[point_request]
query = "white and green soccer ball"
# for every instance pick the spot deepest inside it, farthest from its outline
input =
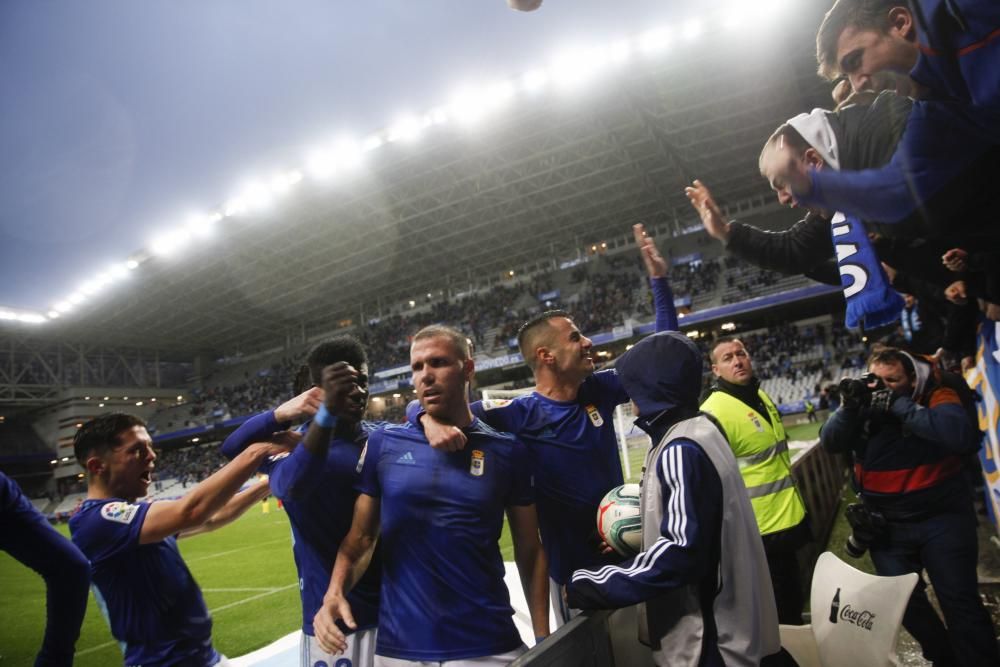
(618, 520)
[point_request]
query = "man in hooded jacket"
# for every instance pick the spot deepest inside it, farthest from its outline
(702, 575)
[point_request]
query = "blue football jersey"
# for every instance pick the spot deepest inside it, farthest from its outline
(319, 500)
(443, 592)
(152, 603)
(574, 454)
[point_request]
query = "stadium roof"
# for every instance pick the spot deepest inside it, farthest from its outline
(538, 180)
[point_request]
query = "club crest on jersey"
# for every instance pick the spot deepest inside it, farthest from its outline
(119, 512)
(477, 466)
(756, 422)
(595, 417)
(494, 403)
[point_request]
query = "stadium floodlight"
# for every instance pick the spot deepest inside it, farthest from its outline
(692, 30)
(534, 80)
(256, 195)
(320, 164)
(62, 307)
(281, 183)
(64, 459)
(371, 142)
(407, 128)
(438, 115)
(7, 315)
(118, 271)
(236, 206)
(31, 318)
(468, 106)
(170, 242)
(499, 94)
(53, 461)
(200, 226)
(53, 314)
(76, 298)
(620, 52)
(575, 66)
(131, 265)
(90, 288)
(654, 41)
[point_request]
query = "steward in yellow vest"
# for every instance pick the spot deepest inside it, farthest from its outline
(757, 437)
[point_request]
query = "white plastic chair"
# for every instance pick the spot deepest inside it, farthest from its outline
(855, 617)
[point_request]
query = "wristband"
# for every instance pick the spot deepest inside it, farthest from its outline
(324, 418)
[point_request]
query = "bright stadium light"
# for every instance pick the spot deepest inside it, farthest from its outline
(62, 307)
(499, 94)
(76, 298)
(372, 142)
(692, 30)
(654, 41)
(534, 80)
(235, 206)
(321, 164)
(90, 288)
(620, 52)
(256, 196)
(575, 66)
(131, 265)
(118, 271)
(407, 128)
(438, 115)
(467, 106)
(31, 318)
(170, 242)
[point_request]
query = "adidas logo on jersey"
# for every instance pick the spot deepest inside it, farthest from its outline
(407, 459)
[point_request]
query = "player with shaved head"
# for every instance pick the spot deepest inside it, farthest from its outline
(567, 423)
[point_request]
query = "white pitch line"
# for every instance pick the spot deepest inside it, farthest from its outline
(238, 590)
(270, 591)
(238, 549)
(252, 598)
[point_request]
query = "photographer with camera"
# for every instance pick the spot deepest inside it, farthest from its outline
(908, 433)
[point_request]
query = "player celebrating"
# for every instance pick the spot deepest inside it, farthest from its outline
(152, 602)
(316, 484)
(567, 422)
(438, 516)
(27, 536)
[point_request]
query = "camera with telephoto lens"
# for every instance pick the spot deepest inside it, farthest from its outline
(857, 392)
(866, 527)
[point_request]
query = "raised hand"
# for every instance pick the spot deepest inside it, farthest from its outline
(711, 216)
(345, 390)
(300, 408)
(656, 265)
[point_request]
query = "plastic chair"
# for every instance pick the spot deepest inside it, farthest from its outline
(855, 617)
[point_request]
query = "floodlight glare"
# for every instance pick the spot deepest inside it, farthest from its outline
(499, 94)
(31, 318)
(619, 52)
(654, 41)
(118, 271)
(76, 298)
(348, 153)
(53, 314)
(235, 207)
(438, 115)
(131, 265)
(406, 129)
(534, 80)
(467, 106)
(692, 30)
(62, 307)
(372, 142)
(573, 67)
(321, 164)
(256, 195)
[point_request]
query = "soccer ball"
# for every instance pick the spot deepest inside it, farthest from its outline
(618, 520)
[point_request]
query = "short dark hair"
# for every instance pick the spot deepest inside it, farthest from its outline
(792, 138)
(862, 14)
(461, 342)
(893, 355)
(100, 434)
(722, 340)
(340, 348)
(528, 333)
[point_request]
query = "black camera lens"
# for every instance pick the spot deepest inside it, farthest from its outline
(854, 548)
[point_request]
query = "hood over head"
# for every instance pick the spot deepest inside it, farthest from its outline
(662, 372)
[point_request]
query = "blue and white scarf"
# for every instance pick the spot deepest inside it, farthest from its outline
(871, 301)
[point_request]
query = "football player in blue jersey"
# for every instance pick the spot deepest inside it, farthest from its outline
(27, 536)
(438, 516)
(567, 423)
(152, 603)
(316, 484)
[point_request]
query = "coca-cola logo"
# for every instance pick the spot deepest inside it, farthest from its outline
(859, 617)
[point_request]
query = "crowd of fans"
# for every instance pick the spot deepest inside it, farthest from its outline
(187, 465)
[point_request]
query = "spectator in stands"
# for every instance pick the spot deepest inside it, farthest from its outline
(757, 438)
(438, 516)
(950, 50)
(908, 433)
(568, 424)
(27, 536)
(701, 575)
(153, 604)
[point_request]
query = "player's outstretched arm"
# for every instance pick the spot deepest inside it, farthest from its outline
(353, 557)
(657, 268)
(232, 510)
(267, 424)
(169, 517)
(440, 436)
(532, 566)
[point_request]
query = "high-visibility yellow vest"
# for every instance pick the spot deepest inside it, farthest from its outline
(762, 454)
